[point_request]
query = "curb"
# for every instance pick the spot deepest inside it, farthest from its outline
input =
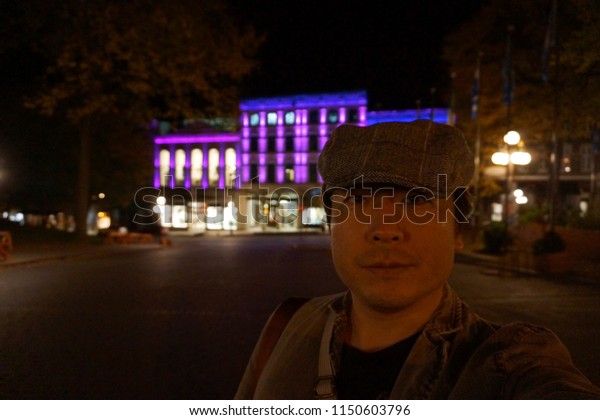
(91, 253)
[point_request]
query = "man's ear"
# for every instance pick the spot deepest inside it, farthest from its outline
(458, 242)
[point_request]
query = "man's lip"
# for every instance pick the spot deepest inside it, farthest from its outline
(387, 265)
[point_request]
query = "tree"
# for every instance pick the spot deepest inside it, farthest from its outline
(566, 103)
(132, 62)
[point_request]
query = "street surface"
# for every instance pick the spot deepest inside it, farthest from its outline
(180, 322)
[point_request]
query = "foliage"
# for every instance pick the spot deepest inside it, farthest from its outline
(128, 63)
(574, 86)
(535, 214)
(591, 221)
(141, 58)
(551, 242)
(496, 238)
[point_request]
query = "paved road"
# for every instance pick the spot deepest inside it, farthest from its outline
(180, 322)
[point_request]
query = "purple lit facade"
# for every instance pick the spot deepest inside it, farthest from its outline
(278, 141)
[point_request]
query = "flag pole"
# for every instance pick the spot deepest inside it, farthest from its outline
(552, 45)
(507, 72)
(475, 106)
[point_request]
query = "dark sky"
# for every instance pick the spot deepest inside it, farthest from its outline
(392, 49)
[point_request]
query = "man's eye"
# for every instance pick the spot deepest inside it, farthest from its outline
(418, 198)
(356, 199)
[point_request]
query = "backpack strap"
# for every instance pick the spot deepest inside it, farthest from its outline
(273, 330)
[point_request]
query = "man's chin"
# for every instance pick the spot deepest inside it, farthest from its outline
(391, 300)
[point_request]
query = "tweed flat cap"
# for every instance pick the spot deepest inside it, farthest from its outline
(411, 155)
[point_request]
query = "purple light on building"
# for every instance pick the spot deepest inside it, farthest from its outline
(354, 98)
(440, 115)
(362, 115)
(262, 173)
(198, 138)
(342, 115)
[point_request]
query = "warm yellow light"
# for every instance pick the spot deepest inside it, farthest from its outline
(500, 158)
(521, 200)
(518, 193)
(520, 158)
(512, 138)
(161, 201)
(103, 220)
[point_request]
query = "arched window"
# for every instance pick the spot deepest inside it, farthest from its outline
(230, 166)
(213, 167)
(165, 162)
(196, 161)
(179, 166)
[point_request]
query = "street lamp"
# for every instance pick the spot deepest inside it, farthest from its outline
(510, 158)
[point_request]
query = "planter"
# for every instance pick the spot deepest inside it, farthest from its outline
(554, 263)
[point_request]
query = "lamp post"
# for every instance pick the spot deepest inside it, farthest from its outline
(509, 158)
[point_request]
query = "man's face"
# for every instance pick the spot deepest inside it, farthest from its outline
(393, 248)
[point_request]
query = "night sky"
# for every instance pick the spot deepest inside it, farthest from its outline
(311, 47)
(326, 46)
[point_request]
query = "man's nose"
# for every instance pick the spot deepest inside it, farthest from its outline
(387, 225)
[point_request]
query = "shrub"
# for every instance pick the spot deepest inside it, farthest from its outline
(496, 238)
(550, 243)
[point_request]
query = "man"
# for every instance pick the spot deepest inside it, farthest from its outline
(395, 195)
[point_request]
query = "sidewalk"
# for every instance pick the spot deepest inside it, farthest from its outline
(44, 252)
(519, 262)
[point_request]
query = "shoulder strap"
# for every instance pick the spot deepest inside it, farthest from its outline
(273, 330)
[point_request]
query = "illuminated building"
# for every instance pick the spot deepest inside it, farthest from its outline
(265, 175)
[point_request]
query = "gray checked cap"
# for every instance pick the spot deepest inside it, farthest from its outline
(411, 155)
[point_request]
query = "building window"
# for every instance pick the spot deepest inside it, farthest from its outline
(213, 167)
(196, 158)
(312, 172)
(585, 152)
(313, 143)
(290, 118)
(289, 173)
(272, 118)
(289, 144)
(179, 166)
(271, 144)
(253, 144)
(332, 116)
(271, 173)
(230, 167)
(352, 115)
(313, 117)
(254, 119)
(165, 167)
(253, 171)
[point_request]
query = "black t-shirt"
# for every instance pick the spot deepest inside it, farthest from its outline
(371, 375)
